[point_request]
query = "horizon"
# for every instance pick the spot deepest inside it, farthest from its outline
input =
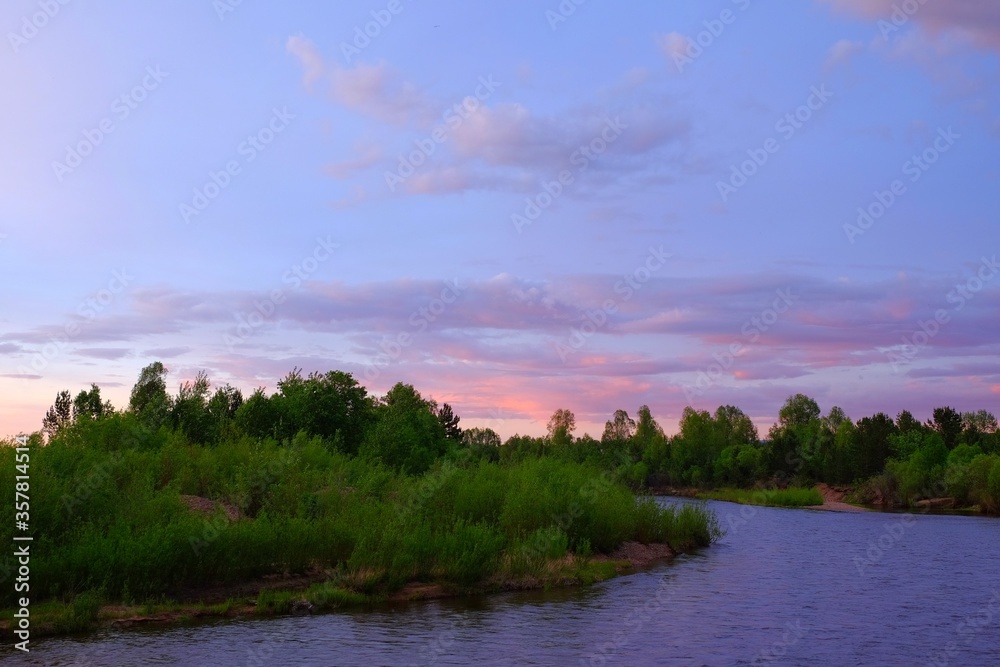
(683, 215)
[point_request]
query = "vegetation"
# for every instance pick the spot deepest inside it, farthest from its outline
(319, 483)
(360, 496)
(790, 497)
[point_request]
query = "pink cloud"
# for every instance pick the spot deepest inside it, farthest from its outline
(976, 20)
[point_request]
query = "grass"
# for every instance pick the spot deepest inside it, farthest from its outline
(790, 497)
(117, 531)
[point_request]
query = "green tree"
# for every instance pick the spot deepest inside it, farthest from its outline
(906, 422)
(449, 420)
(257, 416)
(619, 430)
(88, 404)
(225, 402)
(794, 446)
(561, 427)
(59, 416)
(798, 410)
(480, 437)
(482, 443)
(407, 433)
(948, 423)
(189, 412)
(149, 401)
(977, 427)
(873, 444)
(333, 406)
(735, 427)
(649, 442)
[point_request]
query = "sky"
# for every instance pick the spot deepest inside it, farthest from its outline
(516, 207)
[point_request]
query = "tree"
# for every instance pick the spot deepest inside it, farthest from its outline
(906, 422)
(449, 420)
(619, 430)
(225, 402)
(324, 405)
(149, 400)
(482, 443)
(189, 412)
(406, 434)
(649, 442)
(480, 437)
(257, 417)
(735, 427)
(646, 429)
(873, 444)
(59, 415)
(561, 427)
(795, 439)
(798, 410)
(88, 404)
(978, 426)
(948, 423)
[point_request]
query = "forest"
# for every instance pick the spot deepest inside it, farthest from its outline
(360, 496)
(893, 461)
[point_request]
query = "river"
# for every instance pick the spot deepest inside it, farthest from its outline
(784, 587)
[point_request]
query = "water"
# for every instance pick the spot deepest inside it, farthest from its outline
(785, 587)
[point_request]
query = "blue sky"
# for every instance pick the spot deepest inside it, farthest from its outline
(220, 187)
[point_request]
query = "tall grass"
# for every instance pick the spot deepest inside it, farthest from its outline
(109, 518)
(790, 497)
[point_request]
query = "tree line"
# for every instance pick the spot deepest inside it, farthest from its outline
(889, 460)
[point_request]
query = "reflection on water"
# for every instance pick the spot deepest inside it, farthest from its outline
(784, 587)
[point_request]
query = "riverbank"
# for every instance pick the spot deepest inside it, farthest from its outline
(316, 592)
(169, 531)
(833, 500)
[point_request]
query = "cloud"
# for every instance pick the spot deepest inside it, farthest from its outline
(488, 145)
(674, 45)
(166, 352)
(976, 21)
(103, 352)
(312, 62)
(841, 53)
(372, 90)
(368, 155)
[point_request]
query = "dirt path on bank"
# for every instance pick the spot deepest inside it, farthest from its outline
(833, 501)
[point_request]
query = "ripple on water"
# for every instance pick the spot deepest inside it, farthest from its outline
(794, 587)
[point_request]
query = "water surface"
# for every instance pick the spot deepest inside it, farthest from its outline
(784, 587)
